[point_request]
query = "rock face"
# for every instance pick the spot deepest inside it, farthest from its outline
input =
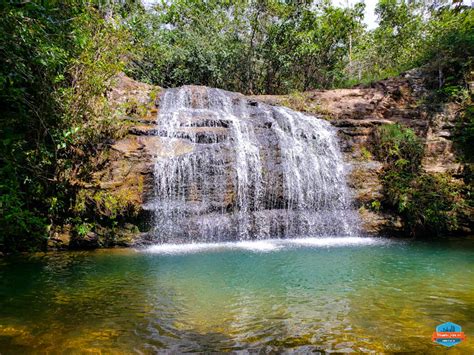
(113, 197)
(125, 186)
(229, 168)
(356, 112)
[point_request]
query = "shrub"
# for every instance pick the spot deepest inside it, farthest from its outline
(398, 147)
(429, 204)
(58, 59)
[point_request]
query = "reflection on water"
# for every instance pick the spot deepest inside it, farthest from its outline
(376, 296)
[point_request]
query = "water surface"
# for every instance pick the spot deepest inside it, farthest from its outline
(329, 294)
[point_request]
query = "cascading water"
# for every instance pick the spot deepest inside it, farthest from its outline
(232, 169)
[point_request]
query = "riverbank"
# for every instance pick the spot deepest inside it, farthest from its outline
(109, 205)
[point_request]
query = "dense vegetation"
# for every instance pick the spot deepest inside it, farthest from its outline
(429, 204)
(59, 59)
(279, 46)
(57, 62)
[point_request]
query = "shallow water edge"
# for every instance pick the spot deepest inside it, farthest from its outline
(325, 295)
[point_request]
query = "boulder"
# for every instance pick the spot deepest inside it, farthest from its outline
(88, 241)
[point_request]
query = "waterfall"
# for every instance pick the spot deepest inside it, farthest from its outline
(228, 168)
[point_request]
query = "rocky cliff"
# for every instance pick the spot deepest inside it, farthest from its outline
(113, 198)
(406, 100)
(122, 186)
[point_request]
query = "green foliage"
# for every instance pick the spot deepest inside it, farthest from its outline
(365, 154)
(375, 205)
(394, 46)
(438, 36)
(57, 63)
(449, 49)
(433, 204)
(399, 147)
(430, 204)
(455, 93)
(281, 46)
(22, 227)
(244, 45)
(83, 228)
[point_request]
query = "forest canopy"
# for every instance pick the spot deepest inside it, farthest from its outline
(279, 46)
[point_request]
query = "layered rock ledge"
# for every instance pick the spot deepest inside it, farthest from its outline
(358, 111)
(125, 182)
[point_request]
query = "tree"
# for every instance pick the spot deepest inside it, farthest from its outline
(57, 63)
(252, 46)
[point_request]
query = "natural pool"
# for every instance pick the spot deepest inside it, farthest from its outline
(330, 294)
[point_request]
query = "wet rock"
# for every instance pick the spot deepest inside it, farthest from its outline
(143, 130)
(266, 172)
(357, 112)
(60, 238)
(380, 224)
(88, 241)
(122, 235)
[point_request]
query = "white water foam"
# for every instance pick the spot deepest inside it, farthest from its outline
(228, 166)
(263, 246)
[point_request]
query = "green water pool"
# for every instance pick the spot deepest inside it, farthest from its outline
(331, 294)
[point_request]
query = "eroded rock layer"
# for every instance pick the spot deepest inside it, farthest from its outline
(229, 168)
